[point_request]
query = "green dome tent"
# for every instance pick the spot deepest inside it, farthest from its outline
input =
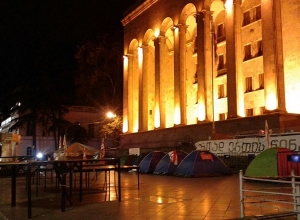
(272, 163)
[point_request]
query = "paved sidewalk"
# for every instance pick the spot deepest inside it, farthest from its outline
(159, 197)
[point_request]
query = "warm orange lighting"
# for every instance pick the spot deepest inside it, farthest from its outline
(140, 54)
(136, 126)
(125, 124)
(177, 115)
(291, 105)
(271, 102)
(156, 117)
(201, 111)
(228, 4)
(159, 200)
(156, 33)
(125, 61)
(110, 115)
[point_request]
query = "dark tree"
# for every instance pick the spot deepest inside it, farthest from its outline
(99, 76)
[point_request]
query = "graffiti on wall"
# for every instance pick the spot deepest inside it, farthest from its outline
(249, 145)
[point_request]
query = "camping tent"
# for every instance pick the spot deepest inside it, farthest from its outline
(128, 159)
(138, 159)
(168, 164)
(273, 162)
(77, 149)
(201, 163)
(149, 162)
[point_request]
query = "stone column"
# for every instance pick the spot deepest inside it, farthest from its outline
(144, 90)
(182, 71)
(179, 74)
(204, 66)
(177, 100)
(132, 93)
(273, 56)
(157, 110)
(125, 93)
(235, 79)
(141, 89)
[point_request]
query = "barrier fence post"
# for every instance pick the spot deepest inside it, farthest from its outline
(294, 190)
(241, 194)
(298, 202)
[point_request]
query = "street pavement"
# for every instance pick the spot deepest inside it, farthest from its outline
(159, 197)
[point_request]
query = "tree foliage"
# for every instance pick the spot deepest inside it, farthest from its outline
(113, 128)
(99, 75)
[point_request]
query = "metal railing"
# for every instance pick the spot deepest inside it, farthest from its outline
(236, 161)
(259, 196)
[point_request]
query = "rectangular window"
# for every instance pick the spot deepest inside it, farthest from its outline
(247, 52)
(258, 13)
(222, 117)
(221, 33)
(221, 64)
(246, 18)
(249, 112)
(259, 45)
(221, 91)
(252, 15)
(248, 84)
(261, 80)
(262, 110)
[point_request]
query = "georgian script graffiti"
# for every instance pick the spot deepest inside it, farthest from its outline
(249, 145)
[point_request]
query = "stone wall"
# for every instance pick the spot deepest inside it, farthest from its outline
(188, 135)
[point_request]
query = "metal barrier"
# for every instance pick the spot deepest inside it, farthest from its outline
(291, 198)
(236, 161)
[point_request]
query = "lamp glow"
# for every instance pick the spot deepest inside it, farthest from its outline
(110, 115)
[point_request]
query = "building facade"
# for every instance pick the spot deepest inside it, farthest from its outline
(191, 65)
(89, 118)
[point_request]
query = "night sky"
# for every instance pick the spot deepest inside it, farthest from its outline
(38, 37)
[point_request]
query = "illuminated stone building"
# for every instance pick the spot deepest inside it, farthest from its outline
(195, 69)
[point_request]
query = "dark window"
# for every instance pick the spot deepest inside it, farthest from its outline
(246, 18)
(247, 51)
(221, 64)
(259, 48)
(248, 84)
(252, 15)
(221, 33)
(221, 91)
(258, 13)
(262, 110)
(261, 80)
(249, 112)
(222, 116)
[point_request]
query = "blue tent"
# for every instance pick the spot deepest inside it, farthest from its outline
(201, 163)
(168, 164)
(149, 162)
(138, 159)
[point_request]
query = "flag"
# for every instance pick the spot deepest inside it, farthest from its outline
(65, 142)
(206, 156)
(173, 157)
(267, 134)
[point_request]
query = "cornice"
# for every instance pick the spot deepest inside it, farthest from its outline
(139, 10)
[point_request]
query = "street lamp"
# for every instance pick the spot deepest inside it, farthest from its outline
(110, 115)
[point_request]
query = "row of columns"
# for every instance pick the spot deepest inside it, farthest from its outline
(273, 68)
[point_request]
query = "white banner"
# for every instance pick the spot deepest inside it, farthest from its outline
(249, 145)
